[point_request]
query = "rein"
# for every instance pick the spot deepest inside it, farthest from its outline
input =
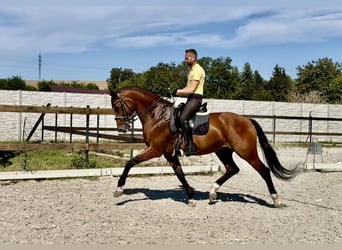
(131, 117)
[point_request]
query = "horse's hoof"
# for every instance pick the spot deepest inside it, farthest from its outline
(280, 205)
(191, 203)
(212, 197)
(276, 201)
(118, 192)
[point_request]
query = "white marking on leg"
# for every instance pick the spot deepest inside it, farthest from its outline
(118, 192)
(191, 203)
(276, 200)
(213, 190)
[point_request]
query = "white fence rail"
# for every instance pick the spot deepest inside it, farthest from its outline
(14, 126)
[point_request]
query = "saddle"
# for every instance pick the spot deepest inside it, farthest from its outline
(199, 122)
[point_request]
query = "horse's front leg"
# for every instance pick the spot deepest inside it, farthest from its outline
(147, 154)
(174, 161)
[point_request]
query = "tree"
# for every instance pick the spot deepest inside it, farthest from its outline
(3, 84)
(91, 85)
(164, 76)
(222, 79)
(117, 76)
(309, 97)
(137, 80)
(259, 92)
(252, 85)
(334, 90)
(317, 76)
(279, 85)
(45, 85)
(247, 83)
(13, 83)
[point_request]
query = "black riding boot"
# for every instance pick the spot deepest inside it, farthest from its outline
(190, 147)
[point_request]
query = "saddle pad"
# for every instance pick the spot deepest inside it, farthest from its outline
(201, 124)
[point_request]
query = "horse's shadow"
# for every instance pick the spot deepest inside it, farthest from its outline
(178, 195)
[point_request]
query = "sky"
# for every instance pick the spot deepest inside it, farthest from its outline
(84, 40)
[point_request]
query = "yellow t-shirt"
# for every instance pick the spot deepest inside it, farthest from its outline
(197, 73)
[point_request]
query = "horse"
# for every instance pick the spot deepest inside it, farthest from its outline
(228, 132)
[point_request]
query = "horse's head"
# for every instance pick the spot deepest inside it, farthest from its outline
(124, 113)
(129, 102)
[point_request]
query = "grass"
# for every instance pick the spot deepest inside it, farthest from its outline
(61, 159)
(57, 160)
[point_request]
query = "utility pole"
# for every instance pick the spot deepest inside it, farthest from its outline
(39, 66)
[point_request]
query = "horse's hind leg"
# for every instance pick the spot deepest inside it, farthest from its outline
(226, 157)
(265, 173)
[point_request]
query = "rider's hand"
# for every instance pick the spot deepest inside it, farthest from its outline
(173, 92)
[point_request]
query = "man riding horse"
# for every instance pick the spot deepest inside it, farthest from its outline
(194, 93)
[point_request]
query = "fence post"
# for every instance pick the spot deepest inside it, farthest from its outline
(20, 115)
(274, 128)
(56, 122)
(24, 128)
(87, 135)
(41, 117)
(43, 128)
(70, 129)
(310, 128)
(97, 127)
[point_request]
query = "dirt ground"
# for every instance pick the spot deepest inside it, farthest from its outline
(153, 209)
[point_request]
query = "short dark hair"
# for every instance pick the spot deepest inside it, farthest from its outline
(192, 51)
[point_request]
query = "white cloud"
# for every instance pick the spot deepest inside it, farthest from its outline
(81, 28)
(291, 26)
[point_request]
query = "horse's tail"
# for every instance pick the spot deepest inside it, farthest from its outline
(271, 157)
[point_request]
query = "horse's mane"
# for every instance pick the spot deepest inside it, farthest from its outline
(145, 91)
(138, 89)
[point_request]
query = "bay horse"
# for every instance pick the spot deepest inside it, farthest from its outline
(228, 132)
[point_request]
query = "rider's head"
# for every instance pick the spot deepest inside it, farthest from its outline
(190, 57)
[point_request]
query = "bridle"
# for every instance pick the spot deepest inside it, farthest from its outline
(126, 118)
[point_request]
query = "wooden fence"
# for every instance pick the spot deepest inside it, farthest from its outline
(309, 133)
(133, 137)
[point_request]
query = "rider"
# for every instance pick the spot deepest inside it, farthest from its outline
(194, 92)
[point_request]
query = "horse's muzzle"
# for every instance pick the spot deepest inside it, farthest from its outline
(123, 128)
